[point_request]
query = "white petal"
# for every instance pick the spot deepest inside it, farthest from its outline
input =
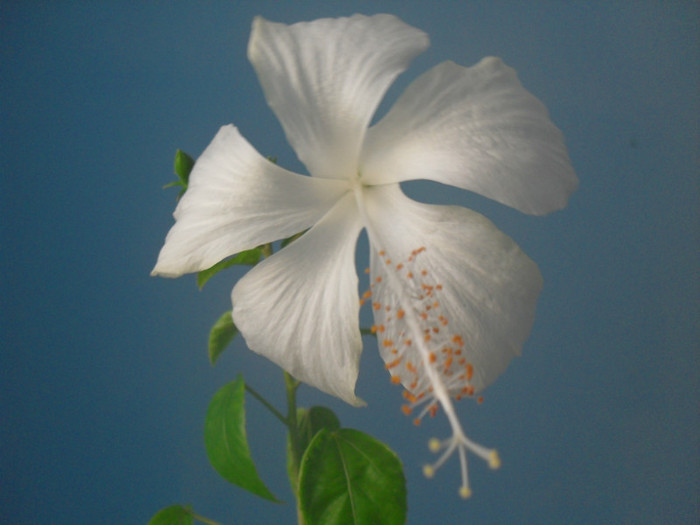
(488, 286)
(324, 80)
(237, 200)
(475, 128)
(300, 308)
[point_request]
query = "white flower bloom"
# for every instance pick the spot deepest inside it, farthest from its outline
(453, 297)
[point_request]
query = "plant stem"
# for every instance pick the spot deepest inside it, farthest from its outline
(294, 445)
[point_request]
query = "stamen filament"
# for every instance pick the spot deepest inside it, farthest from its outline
(417, 307)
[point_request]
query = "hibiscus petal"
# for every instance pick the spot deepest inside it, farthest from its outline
(324, 80)
(475, 128)
(237, 200)
(487, 286)
(299, 308)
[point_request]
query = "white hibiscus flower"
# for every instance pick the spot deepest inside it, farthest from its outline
(453, 297)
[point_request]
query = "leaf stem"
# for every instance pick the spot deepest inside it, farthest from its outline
(267, 404)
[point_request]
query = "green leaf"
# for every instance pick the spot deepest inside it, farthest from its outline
(291, 239)
(221, 334)
(183, 166)
(368, 331)
(173, 515)
(309, 423)
(226, 442)
(314, 420)
(350, 478)
(249, 257)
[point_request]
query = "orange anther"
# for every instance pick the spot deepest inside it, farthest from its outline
(410, 367)
(400, 314)
(367, 294)
(423, 316)
(479, 399)
(410, 397)
(407, 342)
(399, 266)
(373, 329)
(406, 409)
(438, 286)
(382, 253)
(432, 357)
(435, 329)
(416, 421)
(366, 270)
(470, 371)
(409, 275)
(381, 328)
(378, 279)
(433, 410)
(458, 340)
(424, 272)
(427, 338)
(448, 363)
(388, 342)
(395, 380)
(393, 364)
(376, 306)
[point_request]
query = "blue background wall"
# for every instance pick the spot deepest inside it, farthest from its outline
(105, 379)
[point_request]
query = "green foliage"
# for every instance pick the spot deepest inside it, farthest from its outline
(313, 421)
(249, 257)
(221, 334)
(309, 423)
(173, 515)
(291, 239)
(368, 331)
(350, 478)
(226, 442)
(183, 166)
